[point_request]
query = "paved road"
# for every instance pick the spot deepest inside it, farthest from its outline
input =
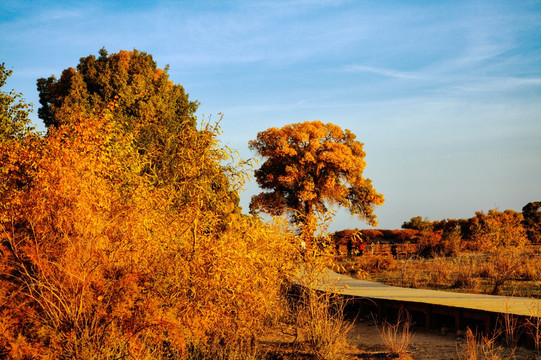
(331, 281)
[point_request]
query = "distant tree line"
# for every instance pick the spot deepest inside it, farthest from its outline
(376, 235)
(489, 231)
(482, 232)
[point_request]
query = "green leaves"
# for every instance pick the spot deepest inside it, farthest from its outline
(14, 111)
(141, 98)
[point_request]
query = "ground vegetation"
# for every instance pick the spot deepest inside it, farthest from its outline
(487, 253)
(112, 247)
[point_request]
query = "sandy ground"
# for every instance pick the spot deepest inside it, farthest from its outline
(366, 343)
(426, 344)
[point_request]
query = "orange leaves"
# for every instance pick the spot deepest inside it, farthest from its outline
(110, 258)
(496, 230)
(120, 230)
(309, 165)
(124, 57)
(60, 227)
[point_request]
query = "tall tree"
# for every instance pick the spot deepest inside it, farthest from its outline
(309, 166)
(145, 105)
(14, 111)
(143, 100)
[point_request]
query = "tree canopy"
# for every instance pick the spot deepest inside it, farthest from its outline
(532, 220)
(14, 121)
(142, 99)
(129, 81)
(417, 223)
(309, 166)
(146, 106)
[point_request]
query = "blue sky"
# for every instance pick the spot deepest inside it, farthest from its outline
(446, 96)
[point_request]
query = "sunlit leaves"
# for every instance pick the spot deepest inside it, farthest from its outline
(100, 261)
(497, 230)
(110, 248)
(142, 100)
(14, 121)
(308, 166)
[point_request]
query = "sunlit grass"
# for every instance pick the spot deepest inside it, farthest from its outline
(465, 272)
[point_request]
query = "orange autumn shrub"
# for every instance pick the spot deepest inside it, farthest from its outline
(99, 260)
(496, 230)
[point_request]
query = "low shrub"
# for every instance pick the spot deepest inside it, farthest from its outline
(397, 337)
(377, 263)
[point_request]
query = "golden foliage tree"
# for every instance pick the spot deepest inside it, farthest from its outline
(496, 230)
(102, 258)
(140, 96)
(308, 166)
(146, 106)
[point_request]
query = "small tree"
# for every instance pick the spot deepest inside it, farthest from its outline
(502, 235)
(418, 223)
(532, 221)
(14, 121)
(497, 230)
(309, 166)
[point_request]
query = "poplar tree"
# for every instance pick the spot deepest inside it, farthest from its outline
(309, 166)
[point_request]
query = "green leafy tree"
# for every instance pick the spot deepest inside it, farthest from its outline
(309, 166)
(14, 111)
(142, 99)
(146, 105)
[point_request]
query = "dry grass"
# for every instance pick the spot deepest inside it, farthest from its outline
(482, 348)
(463, 279)
(512, 272)
(321, 315)
(533, 328)
(397, 337)
(510, 330)
(318, 316)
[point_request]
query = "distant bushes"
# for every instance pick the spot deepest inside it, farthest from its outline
(482, 232)
(375, 235)
(486, 253)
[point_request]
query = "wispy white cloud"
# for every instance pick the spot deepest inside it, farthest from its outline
(500, 84)
(384, 72)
